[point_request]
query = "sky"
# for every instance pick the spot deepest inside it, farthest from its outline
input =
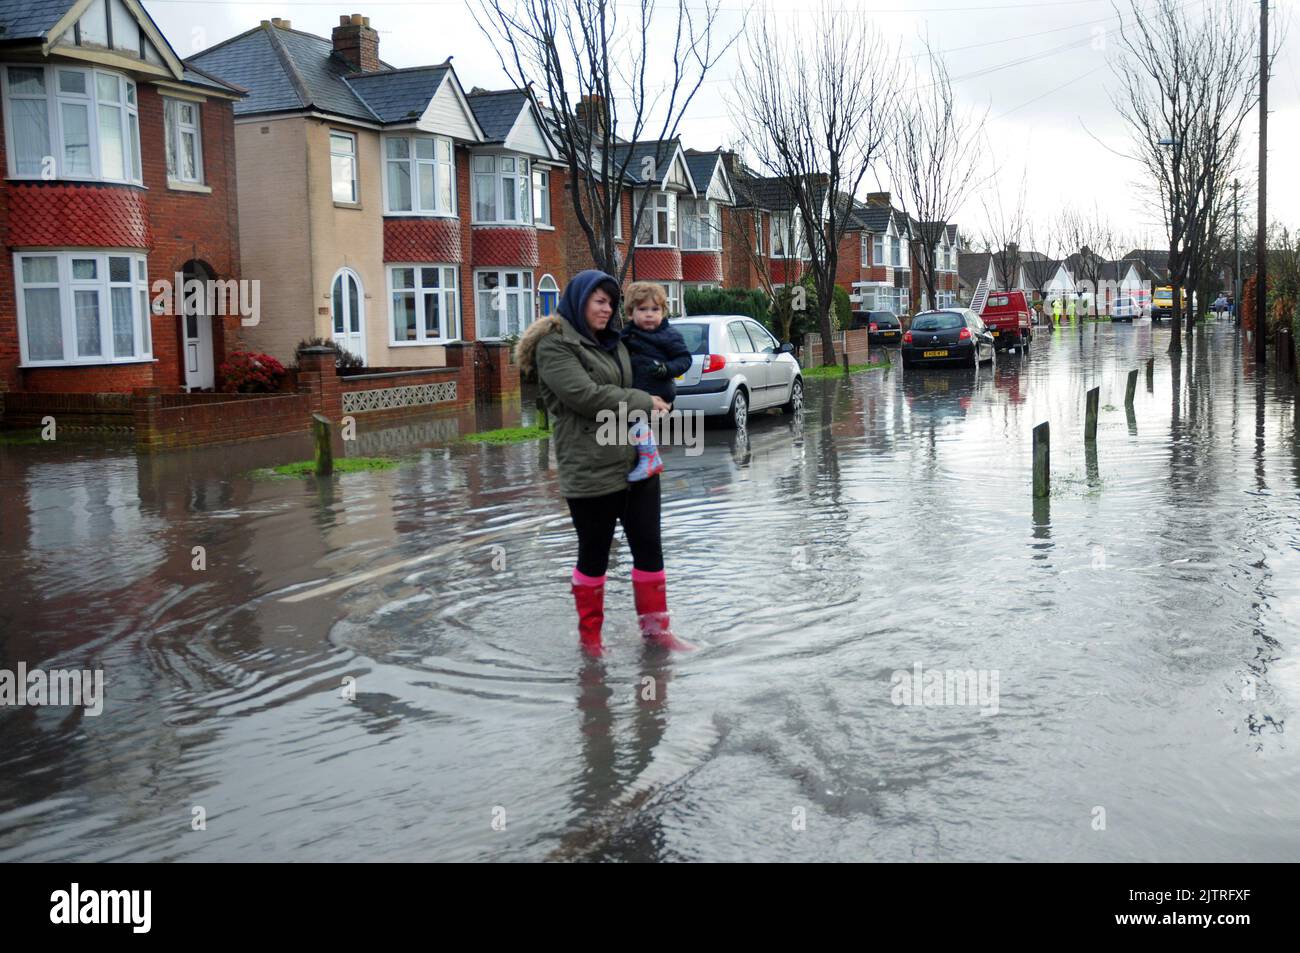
(1037, 69)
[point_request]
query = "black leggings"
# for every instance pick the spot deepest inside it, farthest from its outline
(637, 508)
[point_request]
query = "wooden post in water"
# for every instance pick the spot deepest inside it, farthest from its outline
(1090, 418)
(1131, 391)
(320, 426)
(846, 362)
(1042, 460)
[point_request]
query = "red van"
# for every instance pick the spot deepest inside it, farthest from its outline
(1009, 316)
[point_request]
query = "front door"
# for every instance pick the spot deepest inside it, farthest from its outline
(196, 329)
(348, 310)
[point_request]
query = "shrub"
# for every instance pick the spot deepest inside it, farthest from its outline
(248, 373)
(346, 361)
(752, 302)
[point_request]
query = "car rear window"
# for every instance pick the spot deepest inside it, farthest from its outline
(885, 319)
(696, 337)
(940, 321)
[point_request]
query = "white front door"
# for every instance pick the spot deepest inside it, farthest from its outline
(197, 331)
(347, 307)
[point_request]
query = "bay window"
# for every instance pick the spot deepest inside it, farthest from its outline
(419, 175)
(878, 250)
(184, 142)
(86, 120)
(787, 236)
(502, 190)
(658, 220)
(701, 225)
(896, 252)
(505, 303)
(82, 307)
(425, 304)
(541, 196)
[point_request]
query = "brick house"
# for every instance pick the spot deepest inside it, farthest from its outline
(387, 208)
(947, 248)
(879, 241)
(120, 174)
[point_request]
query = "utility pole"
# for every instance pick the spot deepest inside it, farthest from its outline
(1236, 251)
(1261, 239)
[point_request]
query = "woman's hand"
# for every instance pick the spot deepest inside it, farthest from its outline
(661, 406)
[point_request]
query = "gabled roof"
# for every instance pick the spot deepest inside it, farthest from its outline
(705, 167)
(663, 152)
(399, 95)
(1153, 259)
(52, 21)
(30, 19)
(972, 267)
(286, 70)
(497, 112)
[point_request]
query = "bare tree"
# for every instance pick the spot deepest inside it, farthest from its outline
(1005, 233)
(811, 104)
(1186, 82)
(1043, 257)
(581, 55)
(1091, 239)
(934, 161)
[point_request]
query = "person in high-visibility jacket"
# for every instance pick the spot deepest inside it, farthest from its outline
(1069, 309)
(1056, 311)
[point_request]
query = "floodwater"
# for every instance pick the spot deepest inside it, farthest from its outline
(1134, 642)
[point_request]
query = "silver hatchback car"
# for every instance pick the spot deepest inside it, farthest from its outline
(738, 367)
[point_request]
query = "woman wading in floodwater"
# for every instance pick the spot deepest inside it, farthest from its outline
(583, 368)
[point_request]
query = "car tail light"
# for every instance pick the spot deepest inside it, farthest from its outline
(714, 362)
(907, 337)
(964, 335)
(873, 326)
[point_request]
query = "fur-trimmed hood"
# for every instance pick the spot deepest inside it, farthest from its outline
(526, 348)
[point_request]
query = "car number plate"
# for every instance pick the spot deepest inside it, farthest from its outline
(891, 334)
(935, 354)
(996, 333)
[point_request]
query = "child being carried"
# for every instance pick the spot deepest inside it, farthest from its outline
(659, 354)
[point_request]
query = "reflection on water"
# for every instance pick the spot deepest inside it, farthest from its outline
(387, 660)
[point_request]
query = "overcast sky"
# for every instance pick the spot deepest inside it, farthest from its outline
(1031, 64)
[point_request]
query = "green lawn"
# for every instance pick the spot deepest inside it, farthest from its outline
(341, 465)
(824, 372)
(508, 435)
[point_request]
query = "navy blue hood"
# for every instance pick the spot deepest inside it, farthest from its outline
(573, 306)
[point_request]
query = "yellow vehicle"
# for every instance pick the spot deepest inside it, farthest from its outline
(1162, 301)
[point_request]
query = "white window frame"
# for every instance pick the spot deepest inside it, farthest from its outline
(700, 222)
(352, 158)
(527, 307)
(758, 233)
(778, 222)
(673, 291)
(660, 235)
(127, 108)
(499, 181)
(542, 197)
(865, 249)
(141, 331)
(449, 296)
(174, 132)
(444, 172)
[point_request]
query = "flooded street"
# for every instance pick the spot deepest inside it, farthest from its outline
(1141, 630)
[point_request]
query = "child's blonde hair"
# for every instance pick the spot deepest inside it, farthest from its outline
(639, 292)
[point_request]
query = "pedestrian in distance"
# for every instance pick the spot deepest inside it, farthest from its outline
(584, 374)
(659, 354)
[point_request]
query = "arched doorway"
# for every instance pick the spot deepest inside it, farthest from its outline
(196, 327)
(548, 296)
(347, 311)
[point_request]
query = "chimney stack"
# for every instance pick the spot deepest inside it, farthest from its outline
(356, 42)
(593, 112)
(883, 199)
